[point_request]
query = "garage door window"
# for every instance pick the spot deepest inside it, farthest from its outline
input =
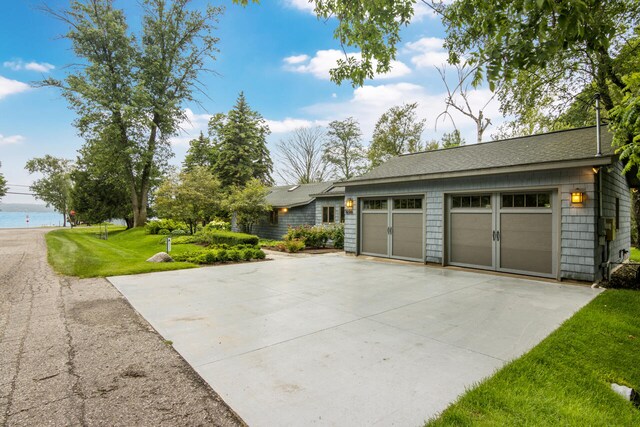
(471, 201)
(409, 203)
(526, 200)
(375, 205)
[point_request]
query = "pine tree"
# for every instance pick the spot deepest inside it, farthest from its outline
(200, 153)
(240, 146)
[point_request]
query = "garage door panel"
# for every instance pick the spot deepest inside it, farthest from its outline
(471, 239)
(407, 235)
(526, 242)
(374, 233)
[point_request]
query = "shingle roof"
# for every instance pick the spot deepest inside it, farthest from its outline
(560, 146)
(282, 197)
(331, 192)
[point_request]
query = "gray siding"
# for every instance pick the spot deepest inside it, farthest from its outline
(578, 238)
(336, 202)
(294, 217)
(614, 185)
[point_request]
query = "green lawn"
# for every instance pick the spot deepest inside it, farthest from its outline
(79, 252)
(635, 254)
(565, 380)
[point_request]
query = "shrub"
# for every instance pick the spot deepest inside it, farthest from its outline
(292, 246)
(163, 232)
(337, 235)
(211, 256)
(153, 227)
(178, 232)
(230, 238)
(313, 237)
(218, 225)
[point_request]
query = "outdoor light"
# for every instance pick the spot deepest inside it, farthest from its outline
(349, 205)
(284, 210)
(577, 196)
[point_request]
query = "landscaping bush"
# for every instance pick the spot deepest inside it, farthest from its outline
(291, 246)
(218, 225)
(267, 243)
(313, 237)
(337, 236)
(216, 238)
(212, 256)
(154, 227)
(163, 232)
(178, 232)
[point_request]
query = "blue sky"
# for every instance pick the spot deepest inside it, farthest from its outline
(277, 52)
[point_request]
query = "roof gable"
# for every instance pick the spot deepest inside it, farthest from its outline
(288, 196)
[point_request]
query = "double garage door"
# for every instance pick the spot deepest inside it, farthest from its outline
(392, 227)
(512, 232)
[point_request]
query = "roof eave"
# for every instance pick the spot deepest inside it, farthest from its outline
(591, 161)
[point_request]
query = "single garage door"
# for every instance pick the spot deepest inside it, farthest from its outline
(393, 228)
(511, 232)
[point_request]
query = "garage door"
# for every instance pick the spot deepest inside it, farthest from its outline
(511, 232)
(393, 227)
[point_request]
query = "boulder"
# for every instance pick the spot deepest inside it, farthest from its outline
(160, 257)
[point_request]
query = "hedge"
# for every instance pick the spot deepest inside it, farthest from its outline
(211, 256)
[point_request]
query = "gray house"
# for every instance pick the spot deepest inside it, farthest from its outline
(304, 204)
(544, 205)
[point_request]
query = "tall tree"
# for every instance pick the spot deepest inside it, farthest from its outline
(459, 99)
(54, 188)
(452, 139)
(301, 157)
(240, 143)
(133, 86)
(344, 148)
(192, 196)
(100, 190)
(248, 203)
(3, 185)
(398, 131)
(200, 153)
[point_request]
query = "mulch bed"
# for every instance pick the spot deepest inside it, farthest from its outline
(624, 278)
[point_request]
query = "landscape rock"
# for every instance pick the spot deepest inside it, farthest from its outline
(160, 257)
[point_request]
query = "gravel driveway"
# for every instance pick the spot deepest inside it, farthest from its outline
(74, 352)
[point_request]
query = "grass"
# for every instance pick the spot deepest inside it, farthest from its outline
(635, 254)
(79, 252)
(565, 380)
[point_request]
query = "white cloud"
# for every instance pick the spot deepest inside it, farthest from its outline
(290, 124)
(427, 52)
(11, 139)
(19, 65)
(191, 127)
(325, 60)
(304, 5)
(10, 87)
(296, 59)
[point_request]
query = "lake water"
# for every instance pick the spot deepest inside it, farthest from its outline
(36, 219)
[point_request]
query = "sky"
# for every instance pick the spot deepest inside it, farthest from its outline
(277, 52)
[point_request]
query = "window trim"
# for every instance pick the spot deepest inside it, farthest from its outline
(328, 214)
(273, 217)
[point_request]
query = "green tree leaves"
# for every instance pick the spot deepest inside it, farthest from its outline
(54, 188)
(398, 131)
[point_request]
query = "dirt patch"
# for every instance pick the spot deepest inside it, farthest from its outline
(625, 277)
(103, 312)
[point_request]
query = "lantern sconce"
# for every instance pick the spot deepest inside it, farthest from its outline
(284, 210)
(349, 205)
(578, 197)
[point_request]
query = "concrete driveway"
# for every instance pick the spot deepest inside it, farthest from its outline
(338, 340)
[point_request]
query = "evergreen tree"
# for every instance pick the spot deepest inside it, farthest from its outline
(240, 146)
(200, 153)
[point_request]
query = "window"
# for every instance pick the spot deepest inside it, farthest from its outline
(410, 203)
(375, 204)
(328, 214)
(342, 214)
(273, 217)
(526, 200)
(471, 201)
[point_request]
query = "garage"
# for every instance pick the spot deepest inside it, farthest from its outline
(393, 227)
(512, 232)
